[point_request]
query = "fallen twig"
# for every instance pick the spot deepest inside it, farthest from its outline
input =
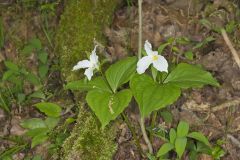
(230, 46)
(227, 104)
(234, 140)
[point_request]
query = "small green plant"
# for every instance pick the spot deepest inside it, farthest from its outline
(16, 77)
(178, 140)
(111, 91)
(39, 129)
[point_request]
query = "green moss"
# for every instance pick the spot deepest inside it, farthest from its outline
(81, 23)
(87, 142)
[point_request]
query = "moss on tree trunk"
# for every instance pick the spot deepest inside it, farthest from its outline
(81, 22)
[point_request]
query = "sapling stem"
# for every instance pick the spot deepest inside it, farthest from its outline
(136, 139)
(139, 57)
(145, 137)
(139, 29)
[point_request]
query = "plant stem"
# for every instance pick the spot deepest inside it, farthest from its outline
(136, 139)
(139, 28)
(153, 122)
(145, 135)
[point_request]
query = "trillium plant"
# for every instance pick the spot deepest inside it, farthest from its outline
(109, 93)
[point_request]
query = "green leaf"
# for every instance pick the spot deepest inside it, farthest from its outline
(33, 123)
(200, 137)
(43, 70)
(36, 43)
(51, 122)
(186, 76)
(182, 129)
(162, 47)
(7, 75)
(32, 78)
(82, 85)
(204, 42)
(172, 135)
(36, 131)
(28, 49)
(37, 157)
(43, 57)
(108, 106)
(167, 116)
(37, 94)
(152, 96)
(121, 72)
(11, 66)
(189, 55)
(180, 145)
(21, 97)
(39, 139)
(49, 109)
(165, 148)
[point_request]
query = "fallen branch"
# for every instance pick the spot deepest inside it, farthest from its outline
(230, 46)
(227, 104)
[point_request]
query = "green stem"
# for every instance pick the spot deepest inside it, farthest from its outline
(136, 139)
(153, 122)
(145, 137)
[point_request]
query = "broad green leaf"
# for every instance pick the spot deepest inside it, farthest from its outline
(33, 123)
(152, 96)
(32, 78)
(186, 76)
(7, 75)
(43, 57)
(200, 137)
(82, 85)
(108, 106)
(36, 131)
(11, 66)
(37, 94)
(49, 109)
(38, 139)
(121, 72)
(165, 148)
(172, 135)
(43, 70)
(36, 43)
(180, 145)
(28, 49)
(51, 122)
(182, 129)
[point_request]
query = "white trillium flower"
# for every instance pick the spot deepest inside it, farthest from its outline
(90, 64)
(158, 61)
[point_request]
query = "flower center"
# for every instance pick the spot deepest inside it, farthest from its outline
(155, 57)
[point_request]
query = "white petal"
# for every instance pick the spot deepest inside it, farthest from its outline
(161, 64)
(89, 73)
(82, 64)
(148, 48)
(93, 56)
(143, 64)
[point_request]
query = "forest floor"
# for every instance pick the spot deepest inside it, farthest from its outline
(192, 29)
